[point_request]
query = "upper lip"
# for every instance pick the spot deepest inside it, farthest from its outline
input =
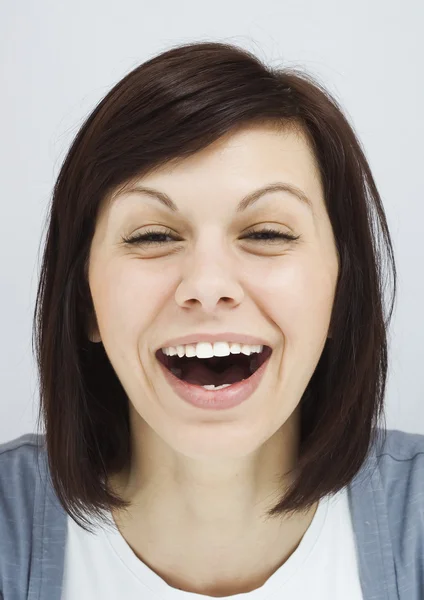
(226, 336)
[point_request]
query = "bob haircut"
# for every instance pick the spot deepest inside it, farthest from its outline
(166, 109)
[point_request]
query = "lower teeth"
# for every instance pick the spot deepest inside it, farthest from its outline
(212, 387)
(219, 387)
(178, 372)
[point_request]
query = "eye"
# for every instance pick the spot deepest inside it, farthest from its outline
(266, 235)
(269, 235)
(146, 237)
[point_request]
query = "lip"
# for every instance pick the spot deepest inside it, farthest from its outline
(225, 336)
(226, 398)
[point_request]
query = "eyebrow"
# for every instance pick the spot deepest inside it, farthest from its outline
(244, 203)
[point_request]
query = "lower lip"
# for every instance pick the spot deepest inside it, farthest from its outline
(228, 397)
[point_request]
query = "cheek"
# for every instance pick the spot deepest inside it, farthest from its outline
(127, 297)
(297, 294)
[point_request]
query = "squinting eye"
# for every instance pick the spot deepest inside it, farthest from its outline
(145, 238)
(272, 235)
(265, 236)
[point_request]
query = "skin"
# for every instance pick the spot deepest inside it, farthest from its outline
(201, 481)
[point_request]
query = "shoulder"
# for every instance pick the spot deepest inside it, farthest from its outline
(19, 458)
(21, 444)
(32, 522)
(401, 444)
(20, 470)
(392, 477)
(400, 457)
(401, 466)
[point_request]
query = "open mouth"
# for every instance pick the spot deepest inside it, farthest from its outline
(217, 370)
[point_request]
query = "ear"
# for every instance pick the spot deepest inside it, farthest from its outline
(94, 337)
(93, 330)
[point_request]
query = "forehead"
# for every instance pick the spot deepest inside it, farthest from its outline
(258, 147)
(232, 167)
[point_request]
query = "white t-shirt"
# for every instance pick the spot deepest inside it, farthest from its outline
(324, 566)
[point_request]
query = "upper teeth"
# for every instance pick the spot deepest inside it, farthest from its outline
(207, 350)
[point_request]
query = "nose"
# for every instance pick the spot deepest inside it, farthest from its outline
(209, 282)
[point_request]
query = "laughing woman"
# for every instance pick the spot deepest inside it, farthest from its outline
(212, 345)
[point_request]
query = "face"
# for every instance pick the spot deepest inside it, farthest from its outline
(209, 273)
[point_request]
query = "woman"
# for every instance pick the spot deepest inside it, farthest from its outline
(212, 349)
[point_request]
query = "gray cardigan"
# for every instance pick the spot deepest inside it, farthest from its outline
(386, 499)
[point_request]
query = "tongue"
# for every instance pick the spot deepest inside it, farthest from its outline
(199, 374)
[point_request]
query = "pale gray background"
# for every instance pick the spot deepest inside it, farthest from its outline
(58, 59)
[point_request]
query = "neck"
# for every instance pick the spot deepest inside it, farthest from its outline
(215, 512)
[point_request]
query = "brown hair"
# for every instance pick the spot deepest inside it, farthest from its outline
(168, 108)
